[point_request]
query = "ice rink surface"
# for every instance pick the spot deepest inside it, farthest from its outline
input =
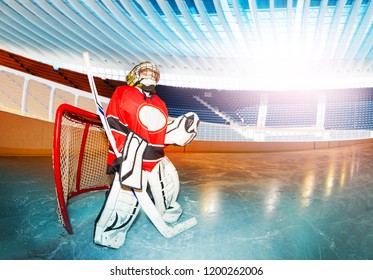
(302, 205)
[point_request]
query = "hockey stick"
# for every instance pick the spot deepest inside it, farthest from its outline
(142, 196)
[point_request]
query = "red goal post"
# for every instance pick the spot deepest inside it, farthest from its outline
(80, 148)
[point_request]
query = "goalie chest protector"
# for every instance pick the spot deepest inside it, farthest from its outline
(130, 110)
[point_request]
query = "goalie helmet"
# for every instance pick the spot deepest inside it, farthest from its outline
(144, 75)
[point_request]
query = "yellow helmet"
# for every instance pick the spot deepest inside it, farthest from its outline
(144, 75)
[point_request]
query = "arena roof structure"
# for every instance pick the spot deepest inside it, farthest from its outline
(231, 44)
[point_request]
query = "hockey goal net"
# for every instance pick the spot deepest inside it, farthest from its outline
(79, 156)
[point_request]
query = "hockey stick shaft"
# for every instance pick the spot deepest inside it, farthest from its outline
(100, 109)
(142, 197)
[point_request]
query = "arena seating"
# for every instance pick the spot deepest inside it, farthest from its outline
(292, 109)
(7, 59)
(241, 106)
(345, 109)
(349, 109)
(180, 101)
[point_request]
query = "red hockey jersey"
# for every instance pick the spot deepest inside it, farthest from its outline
(131, 110)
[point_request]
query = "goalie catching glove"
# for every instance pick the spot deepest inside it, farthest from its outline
(183, 130)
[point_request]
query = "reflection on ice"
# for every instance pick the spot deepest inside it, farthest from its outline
(295, 205)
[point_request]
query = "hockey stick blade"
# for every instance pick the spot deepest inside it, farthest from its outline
(142, 197)
(166, 230)
(180, 227)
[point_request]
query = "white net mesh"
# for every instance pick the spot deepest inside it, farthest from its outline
(82, 156)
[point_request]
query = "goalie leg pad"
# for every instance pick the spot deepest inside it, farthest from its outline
(164, 186)
(119, 212)
(131, 167)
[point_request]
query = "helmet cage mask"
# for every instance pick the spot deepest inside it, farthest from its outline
(145, 75)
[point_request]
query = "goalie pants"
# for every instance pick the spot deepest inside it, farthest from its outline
(121, 206)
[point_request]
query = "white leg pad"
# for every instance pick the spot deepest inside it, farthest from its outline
(120, 210)
(164, 185)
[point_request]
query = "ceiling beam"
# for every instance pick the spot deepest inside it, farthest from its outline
(19, 18)
(332, 39)
(190, 61)
(362, 31)
(256, 27)
(318, 43)
(221, 44)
